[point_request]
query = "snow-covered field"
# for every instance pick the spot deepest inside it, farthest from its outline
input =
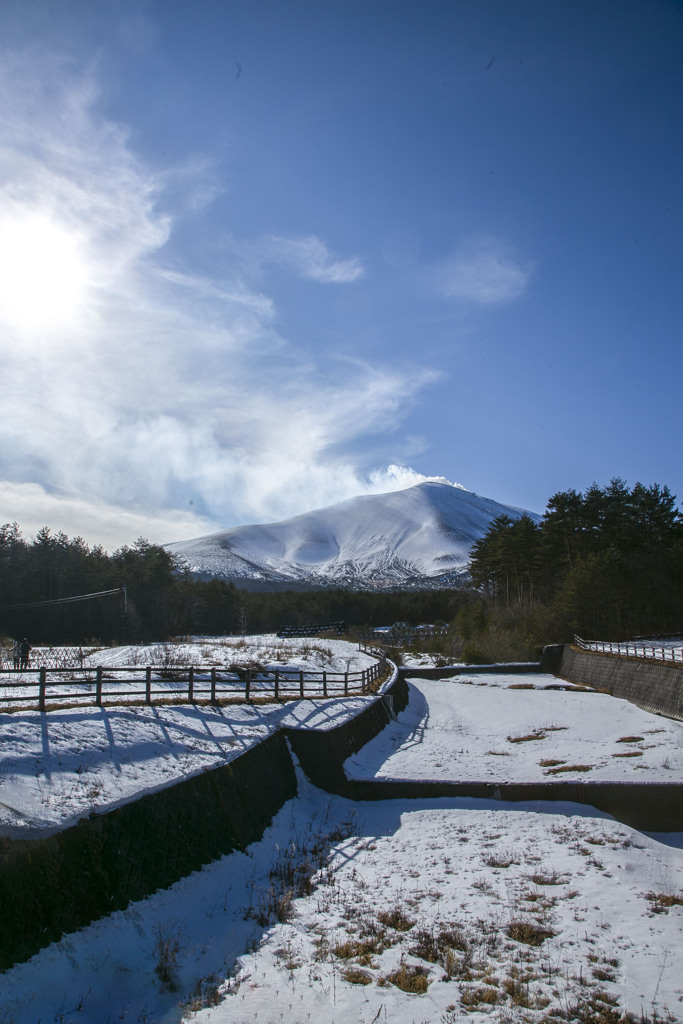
(54, 768)
(418, 912)
(124, 669)
(485, 727)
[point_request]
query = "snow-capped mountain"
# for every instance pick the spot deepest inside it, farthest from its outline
(420, 536)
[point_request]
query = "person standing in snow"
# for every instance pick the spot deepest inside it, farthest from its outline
(15, 654)
(24, 652)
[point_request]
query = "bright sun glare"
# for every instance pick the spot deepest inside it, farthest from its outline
(42, 274)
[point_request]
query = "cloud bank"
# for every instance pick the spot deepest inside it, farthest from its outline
(144, 397)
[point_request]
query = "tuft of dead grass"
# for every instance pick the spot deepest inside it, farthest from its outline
(486, 994)
(355, 976)
(662, 901)
(529, 932)
(548, 878)
(396, 918)
(537, 734)
(570, 768)
(500, 860)
(410, 979)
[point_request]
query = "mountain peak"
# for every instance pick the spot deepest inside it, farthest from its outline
(420, 536)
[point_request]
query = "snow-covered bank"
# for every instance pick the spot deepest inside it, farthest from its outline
(490, 727)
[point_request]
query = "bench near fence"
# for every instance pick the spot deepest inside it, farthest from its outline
(632, 649)
(194, 685)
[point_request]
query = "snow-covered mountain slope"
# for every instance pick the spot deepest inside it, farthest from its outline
(420, 536)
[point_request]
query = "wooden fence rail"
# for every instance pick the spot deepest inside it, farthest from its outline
(53, 688)
(632, 649)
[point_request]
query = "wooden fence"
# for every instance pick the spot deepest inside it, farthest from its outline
(54, 688)
(632, 649)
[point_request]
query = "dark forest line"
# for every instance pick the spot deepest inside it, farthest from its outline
(163, 600)
(606, 563)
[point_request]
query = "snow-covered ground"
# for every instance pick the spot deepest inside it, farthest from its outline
(56, 767)
(486, 728)
(444, 896)
(419, 911)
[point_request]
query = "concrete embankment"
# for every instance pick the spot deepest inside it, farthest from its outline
(650, 807)
(655, 686)
(445, 672)
(58, 884)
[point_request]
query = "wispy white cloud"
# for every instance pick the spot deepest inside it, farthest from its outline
(308, 257)
(485, 272)
(109, 525)
(158, 400)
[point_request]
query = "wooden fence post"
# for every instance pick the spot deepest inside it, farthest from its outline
(277, 684)
(190, 685)
(301, 683)
(98, 686)
(346, 684)
(42, 672)
(148, 685)
(324, 683)
(213, 685)
(248, 683)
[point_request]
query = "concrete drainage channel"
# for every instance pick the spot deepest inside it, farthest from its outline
(60, 883)
(649, 807)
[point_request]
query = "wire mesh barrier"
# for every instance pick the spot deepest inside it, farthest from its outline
(634, 649)
(47, 689)
(49, 657)
(312, 629)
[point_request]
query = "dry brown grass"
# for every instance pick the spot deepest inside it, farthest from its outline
(410, 979)
(500, 860)
(662, 901)
(357, 977)
(396, 918)
(548, 878)
(529, 932)
(537, 734)
(485, 994)
(570, 768)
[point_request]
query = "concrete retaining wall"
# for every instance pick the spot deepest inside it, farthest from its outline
(515, 667)
(322, 753)
(650, 807)
(61, 883)
(653, 685)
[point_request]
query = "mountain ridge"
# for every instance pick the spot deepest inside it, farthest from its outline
(420, 536)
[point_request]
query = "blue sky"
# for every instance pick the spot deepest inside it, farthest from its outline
(257, 257)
